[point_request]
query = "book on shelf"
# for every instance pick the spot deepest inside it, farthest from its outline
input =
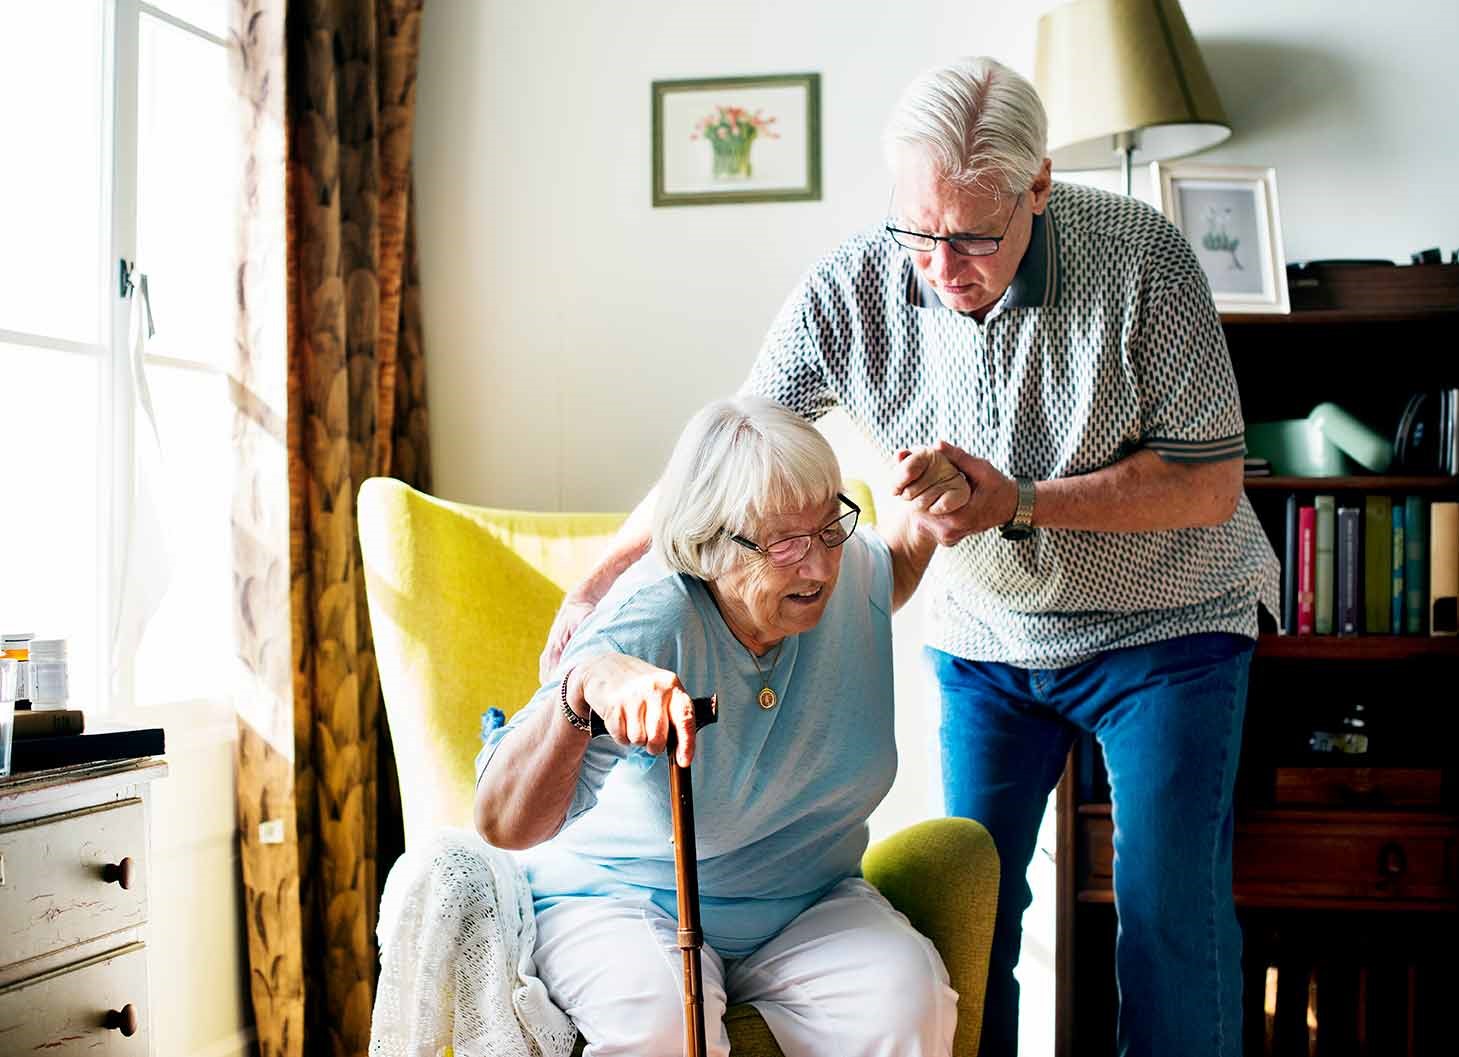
(1325, 577)
(1397, 558)
(1377, 562)
(1349, 616)
(1289, 569)
(94, 746)
(48, 723)
(1415, 573)
(1306, 568)
(1444, 569)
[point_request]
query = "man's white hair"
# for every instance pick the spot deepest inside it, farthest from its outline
(737, 461)
(983, 125)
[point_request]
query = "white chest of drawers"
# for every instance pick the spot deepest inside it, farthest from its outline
(73, 910)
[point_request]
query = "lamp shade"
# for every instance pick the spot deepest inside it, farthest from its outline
(1108, 70)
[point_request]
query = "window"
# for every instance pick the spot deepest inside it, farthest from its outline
(127, 137)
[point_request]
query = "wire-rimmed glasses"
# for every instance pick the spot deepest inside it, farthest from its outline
(964, 245)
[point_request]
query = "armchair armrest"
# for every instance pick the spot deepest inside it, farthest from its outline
(943, 874)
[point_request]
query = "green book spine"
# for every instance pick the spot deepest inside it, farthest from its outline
(1415, 564)
(1396, 596)
(1377, 562)
(1326, 567)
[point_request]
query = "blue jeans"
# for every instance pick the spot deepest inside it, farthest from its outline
(1168, 717)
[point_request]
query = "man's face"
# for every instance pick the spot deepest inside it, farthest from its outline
(924, 202)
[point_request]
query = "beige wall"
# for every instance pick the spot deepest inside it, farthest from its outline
(572, 328)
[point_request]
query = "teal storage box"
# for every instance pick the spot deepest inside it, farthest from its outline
(1296, 447)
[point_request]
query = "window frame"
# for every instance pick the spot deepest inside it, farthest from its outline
(117, 158)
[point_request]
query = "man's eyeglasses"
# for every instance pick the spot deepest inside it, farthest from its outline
(791, 549)
(966, 245)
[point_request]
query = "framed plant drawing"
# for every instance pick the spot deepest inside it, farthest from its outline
(1229, 214)
(737, 139)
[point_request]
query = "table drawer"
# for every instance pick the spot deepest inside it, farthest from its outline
(1289, 860)
(64, 1013)
(54, 890)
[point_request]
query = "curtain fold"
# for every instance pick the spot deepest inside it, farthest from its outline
(329, 386)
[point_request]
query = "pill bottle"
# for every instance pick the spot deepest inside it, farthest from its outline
(16, 646)
(49, 684)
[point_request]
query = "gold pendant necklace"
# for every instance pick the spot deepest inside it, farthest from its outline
(767, 696)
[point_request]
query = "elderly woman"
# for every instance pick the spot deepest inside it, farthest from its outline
(758, 589)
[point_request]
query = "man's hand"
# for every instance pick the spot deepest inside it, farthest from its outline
(929, 482)
(638, 703)
(575, 608)
(992, 503)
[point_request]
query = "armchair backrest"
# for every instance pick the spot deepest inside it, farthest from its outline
(461, 599)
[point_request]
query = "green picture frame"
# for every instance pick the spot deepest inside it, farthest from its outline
(727, 140)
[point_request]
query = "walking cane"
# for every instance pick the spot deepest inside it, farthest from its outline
(686, 875)
(686, 879)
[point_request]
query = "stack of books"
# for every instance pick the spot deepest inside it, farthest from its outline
(1387, 567)
(49, 738)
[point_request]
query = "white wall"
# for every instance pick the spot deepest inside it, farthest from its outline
(572, 328)
(198, 966)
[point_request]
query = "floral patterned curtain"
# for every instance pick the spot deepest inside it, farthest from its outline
(329, 388)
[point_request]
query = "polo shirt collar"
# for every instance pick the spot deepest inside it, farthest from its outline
(1035, 284)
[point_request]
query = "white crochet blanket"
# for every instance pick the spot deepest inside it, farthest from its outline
(456, 939)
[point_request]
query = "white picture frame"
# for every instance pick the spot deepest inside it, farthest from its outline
(1229, 214)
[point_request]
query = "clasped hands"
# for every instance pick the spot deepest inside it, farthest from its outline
(957, 494)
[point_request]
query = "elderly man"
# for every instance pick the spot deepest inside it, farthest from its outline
(1104, 576)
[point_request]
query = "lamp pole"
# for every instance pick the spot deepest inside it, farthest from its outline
(1124, 145)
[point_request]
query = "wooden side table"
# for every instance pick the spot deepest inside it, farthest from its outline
(74, 846)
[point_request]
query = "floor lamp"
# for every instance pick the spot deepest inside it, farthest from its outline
(1123, 83)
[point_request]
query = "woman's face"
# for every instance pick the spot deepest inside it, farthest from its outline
(763, 604)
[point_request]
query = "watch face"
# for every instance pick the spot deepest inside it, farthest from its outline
(1015, 532)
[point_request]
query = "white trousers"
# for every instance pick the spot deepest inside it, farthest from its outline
(850, 977)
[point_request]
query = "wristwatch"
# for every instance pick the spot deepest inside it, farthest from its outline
(1020, 525)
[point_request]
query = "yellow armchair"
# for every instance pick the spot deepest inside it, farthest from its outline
(461, 598)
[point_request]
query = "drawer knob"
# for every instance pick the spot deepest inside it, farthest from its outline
(121, 873)
(1391, 861)
(123, 1020)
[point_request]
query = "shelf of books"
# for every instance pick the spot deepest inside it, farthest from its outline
(1370, 565)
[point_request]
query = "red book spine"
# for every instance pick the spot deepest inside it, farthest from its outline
(1306, 569)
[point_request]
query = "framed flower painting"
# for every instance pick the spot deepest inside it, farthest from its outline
(1229, 214)
(737, 139)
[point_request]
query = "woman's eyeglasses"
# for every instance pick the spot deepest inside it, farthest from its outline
(791, 549)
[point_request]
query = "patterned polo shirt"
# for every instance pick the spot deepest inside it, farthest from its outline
(1106, 341)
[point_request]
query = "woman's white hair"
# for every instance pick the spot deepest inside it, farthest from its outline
(983, 125)
(736, 461)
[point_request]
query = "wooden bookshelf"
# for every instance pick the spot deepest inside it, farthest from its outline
(1339, 316)
(1356, 647)
(1344, 896)
(1427, 484)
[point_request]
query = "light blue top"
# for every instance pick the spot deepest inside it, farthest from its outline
(781, 797)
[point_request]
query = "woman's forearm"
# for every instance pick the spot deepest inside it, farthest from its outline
(528, 786)
(912, 547)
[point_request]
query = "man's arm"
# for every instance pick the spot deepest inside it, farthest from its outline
(628, 545)
(1143, 492)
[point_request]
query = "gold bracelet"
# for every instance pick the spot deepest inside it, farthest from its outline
(571, 713)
